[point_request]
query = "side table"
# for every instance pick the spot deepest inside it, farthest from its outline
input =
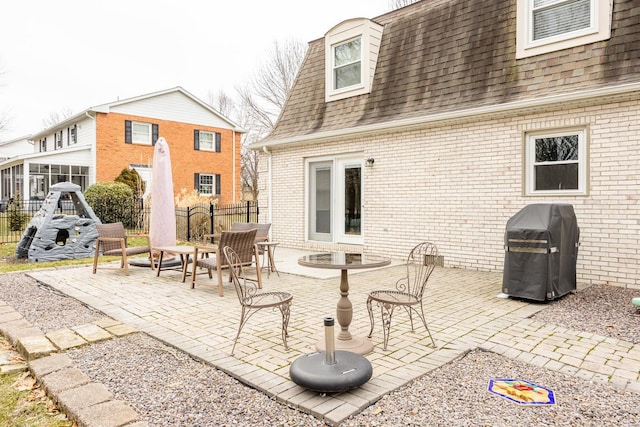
(268, 250)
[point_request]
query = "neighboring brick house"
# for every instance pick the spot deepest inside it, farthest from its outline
(468, 111)
(96, 144)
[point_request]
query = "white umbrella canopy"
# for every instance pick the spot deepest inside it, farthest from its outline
(162, 226)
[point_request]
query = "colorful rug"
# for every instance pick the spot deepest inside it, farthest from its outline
(521, 392)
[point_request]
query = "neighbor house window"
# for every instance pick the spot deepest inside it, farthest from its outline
(43, 145)
(58, 139)
(550, 25)
(73, 134)
(140, 132)
(207, 184)
(347, 64)
(556, 162)
(206, 141)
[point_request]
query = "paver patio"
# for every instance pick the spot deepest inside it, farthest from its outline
(461, 307)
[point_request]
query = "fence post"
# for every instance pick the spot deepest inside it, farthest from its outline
(248, 211)
(188, 223)
(212, 230)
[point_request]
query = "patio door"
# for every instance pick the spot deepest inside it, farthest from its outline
(320, 195)
(335, 200)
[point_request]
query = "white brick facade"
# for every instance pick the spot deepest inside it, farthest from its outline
(457, 183)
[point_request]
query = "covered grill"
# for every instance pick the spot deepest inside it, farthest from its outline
(541, 250)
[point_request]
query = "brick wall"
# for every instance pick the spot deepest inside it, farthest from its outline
(113, 154)
(458, 183)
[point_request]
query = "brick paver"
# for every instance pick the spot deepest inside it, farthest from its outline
(461, 307)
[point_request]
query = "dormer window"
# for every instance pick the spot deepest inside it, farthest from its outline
(351, 54)
(551, 25)
(347, 64)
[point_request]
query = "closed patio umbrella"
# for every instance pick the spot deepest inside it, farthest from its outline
(162, 227)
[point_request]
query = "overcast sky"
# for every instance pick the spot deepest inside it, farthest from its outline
(74, 54)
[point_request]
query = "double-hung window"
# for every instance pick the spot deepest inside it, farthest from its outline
(58, 140)
(207, 184)
(73, 134)
(556, 162)
(347, 64)
(351, 54)
(207, 141)
(140, 132)
(550, 25)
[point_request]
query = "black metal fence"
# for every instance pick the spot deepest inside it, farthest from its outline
(192, 222)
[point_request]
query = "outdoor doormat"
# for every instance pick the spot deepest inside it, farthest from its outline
(521, 392)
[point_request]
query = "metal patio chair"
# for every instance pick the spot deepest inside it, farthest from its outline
(253, 301)
(408, 291)
(112, 241)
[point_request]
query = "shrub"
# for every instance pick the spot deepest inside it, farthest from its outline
(112, 202)
(17, 218)
(132, 178)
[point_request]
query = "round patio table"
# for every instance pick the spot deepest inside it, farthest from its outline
(344, 312)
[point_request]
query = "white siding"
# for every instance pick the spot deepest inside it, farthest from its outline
(15, 147)
(174, 106)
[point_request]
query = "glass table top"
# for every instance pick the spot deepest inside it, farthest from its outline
(343, 260)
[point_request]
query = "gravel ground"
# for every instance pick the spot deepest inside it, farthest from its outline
(168, 388)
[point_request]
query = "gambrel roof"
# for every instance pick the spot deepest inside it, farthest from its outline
(444, 57)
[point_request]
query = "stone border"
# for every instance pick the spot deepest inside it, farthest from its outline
(85, 402)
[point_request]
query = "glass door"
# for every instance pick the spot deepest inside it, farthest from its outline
(350, 184)
(335, 200)
(320, 206)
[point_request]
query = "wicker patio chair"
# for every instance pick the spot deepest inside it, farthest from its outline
(243, 242)
(262, 233)
(408, 291)
(112, 241)
(253, 301)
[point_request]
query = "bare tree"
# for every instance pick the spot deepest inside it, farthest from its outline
(4, 120)
(234, 110)
(263, 98)
(265, 95)
(224, 104)
(56, 117)
(397, 4)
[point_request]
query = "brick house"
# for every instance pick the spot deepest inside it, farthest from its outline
(96, 144)
(440, 120)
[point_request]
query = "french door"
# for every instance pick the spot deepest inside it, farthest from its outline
(335, 200)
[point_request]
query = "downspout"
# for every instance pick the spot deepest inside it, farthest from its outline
(269, 178)
(94, 169)
(233, 167)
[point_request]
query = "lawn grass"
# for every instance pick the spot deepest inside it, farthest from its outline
(9, 263)
(24, 404)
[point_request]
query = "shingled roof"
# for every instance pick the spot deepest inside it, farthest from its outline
(452, 55)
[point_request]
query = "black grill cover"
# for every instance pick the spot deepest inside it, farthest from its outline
(541, 250)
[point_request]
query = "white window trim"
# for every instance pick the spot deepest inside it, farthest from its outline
(355, 86)
(583, 161)
(213, 141)
(149, 133)
(213, 184)
(600, 29)
(370, 34)
(338, 162)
